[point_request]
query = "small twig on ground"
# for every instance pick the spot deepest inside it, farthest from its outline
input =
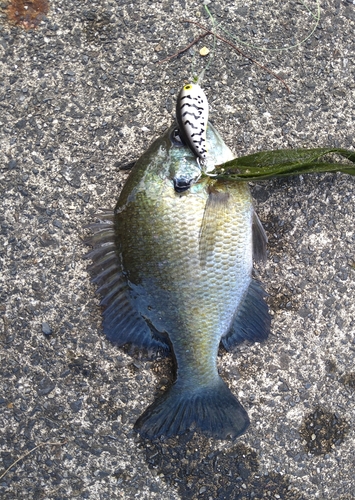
(210, 32)
(185, 48)
(29, 452)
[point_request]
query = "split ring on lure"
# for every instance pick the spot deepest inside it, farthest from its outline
(192, 117)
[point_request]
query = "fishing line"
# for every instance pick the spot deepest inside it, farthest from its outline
(198, 79)
(289, 47)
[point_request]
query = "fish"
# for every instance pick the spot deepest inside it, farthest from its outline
(173, 264)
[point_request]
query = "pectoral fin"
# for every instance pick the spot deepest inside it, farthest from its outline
(213, 216)
(259, 240)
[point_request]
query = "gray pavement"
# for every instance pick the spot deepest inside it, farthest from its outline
(80, 97)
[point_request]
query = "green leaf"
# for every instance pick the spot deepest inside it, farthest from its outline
(285, 162)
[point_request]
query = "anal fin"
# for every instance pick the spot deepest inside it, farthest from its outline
(252, 320)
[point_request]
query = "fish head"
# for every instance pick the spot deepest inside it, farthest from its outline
(184, 168)
(169, 165)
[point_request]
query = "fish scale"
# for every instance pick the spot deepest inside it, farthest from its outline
(180, 279)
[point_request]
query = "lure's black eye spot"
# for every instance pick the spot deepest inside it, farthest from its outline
(175, 138)
(181, 185)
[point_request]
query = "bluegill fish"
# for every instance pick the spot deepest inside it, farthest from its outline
(174, 269)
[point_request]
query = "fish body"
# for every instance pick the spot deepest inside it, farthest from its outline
(174, 270)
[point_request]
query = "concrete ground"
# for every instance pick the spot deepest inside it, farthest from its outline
(81, 96)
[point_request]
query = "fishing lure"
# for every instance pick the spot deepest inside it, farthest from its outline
(192, 117)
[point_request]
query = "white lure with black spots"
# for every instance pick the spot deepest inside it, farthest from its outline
(192, 118)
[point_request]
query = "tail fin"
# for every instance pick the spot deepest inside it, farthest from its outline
(214, 411)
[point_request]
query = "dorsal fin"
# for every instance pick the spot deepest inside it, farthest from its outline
(122, 323)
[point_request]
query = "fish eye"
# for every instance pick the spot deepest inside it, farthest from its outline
(181, 185)
(175, 138)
